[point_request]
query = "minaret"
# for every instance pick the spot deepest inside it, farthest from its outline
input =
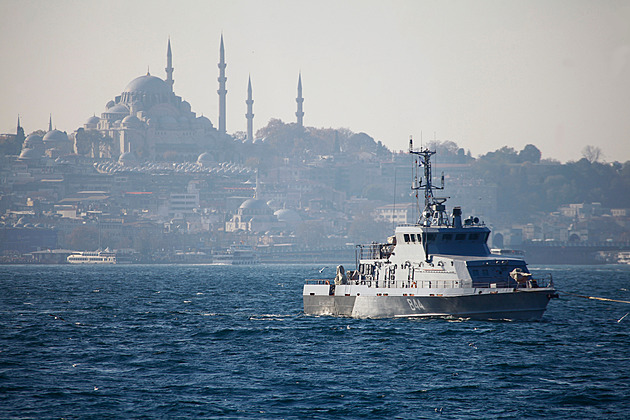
(250, 111)
(169, 65)
(20, 132)
(50, 123)
(222, 91)
(300, 113)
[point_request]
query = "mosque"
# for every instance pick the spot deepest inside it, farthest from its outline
(149, 122)
(53, 144)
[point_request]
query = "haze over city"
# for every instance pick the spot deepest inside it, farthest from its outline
(482, 74)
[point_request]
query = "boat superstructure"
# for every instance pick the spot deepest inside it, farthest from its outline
(440, 266)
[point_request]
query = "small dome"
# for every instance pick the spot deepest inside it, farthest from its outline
(274, 204)
(205, 159)
(110, 104)
(30, 154)
(55, 136)
(127, 159)
(131, 120)
(33, 141)
(289, 216)
(255, 204)
(148, 84)
(118, 109)
(93, 120)
(204, 121)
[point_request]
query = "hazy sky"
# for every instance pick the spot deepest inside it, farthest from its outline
(484, 74)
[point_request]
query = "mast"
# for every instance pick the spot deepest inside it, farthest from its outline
(434, 212)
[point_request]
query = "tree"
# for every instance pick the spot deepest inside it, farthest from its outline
(530, 153)
(592, 153)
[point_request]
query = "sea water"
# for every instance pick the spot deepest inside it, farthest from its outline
(232, 341)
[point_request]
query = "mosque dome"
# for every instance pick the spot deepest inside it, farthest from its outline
(274, 204)
(148, 84)
(93, 120)
(33, 141)
(289, 216)
(255, 206)
(127, 159)
(204, 121)
(131, 121)
(30, 154)
(110, 104)
(205, 159)
(55, 136)
(118, 109)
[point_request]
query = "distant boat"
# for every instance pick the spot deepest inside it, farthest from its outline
(236, 255)
(92, 257)
(623, 258)
(504, 251)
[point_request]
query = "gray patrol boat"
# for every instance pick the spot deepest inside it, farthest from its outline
(438, 267)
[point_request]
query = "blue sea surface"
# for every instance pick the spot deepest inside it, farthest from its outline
(220, 341)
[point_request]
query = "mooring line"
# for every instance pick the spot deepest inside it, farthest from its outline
(594, 297)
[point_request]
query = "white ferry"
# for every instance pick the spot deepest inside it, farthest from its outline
(236, 255)
(440, 266)
(92, 257)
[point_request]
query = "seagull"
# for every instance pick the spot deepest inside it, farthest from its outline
(619, 320)
(322, 269)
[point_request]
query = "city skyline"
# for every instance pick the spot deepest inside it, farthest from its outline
(484, 75)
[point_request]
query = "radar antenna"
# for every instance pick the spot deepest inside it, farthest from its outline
(434, 212)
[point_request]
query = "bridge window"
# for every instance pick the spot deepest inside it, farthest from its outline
(473, 236)
(447, 236)
(460, 236)
(431, 236)
(413, 237)
(406, 236)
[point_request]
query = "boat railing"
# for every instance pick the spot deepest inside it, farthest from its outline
(543, 280)
(374, 251)
(370, 281)
(317, 281)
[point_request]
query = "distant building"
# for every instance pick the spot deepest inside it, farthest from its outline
(397, 213)
(254, 215)
(181, 205)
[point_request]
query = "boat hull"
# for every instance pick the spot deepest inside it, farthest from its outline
(515, 305)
